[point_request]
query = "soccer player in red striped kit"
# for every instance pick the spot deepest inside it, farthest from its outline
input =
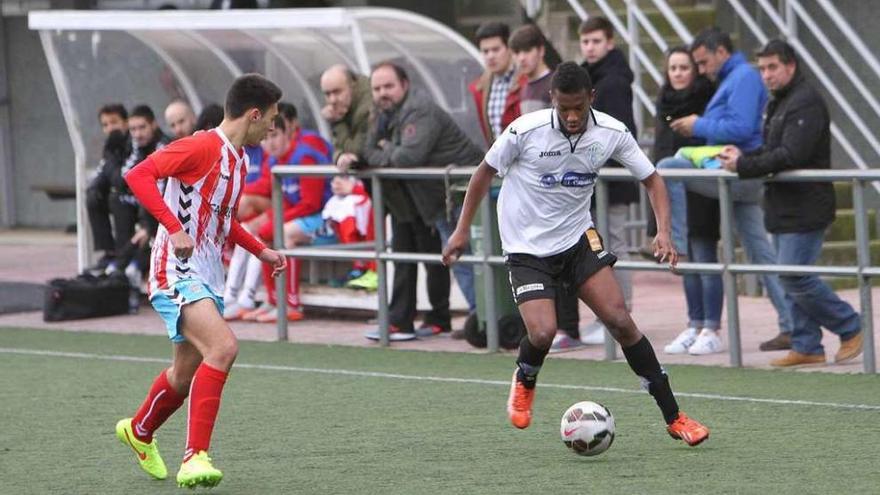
(205, 175)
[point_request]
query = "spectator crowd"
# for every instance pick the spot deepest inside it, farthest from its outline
(715, 109)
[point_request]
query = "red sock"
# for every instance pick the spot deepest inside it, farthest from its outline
(293, 270)
(204, 402)
(159, 405)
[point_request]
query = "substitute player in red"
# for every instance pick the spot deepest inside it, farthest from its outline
(550, 160)
(205, 174)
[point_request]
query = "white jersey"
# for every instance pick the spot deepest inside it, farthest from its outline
(544, 205)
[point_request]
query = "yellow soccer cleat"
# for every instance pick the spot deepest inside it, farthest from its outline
(147, 453)
(198, 471)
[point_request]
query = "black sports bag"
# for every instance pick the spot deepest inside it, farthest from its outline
(86, 296)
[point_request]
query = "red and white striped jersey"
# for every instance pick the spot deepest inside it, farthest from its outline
(205, 178)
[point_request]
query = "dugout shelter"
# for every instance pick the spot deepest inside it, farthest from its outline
(132, 57)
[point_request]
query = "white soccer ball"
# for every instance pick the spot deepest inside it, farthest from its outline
(587, 428)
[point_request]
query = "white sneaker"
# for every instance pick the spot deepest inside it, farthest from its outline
(682, 343)
(135, 277)
(563, 343)
(593, 334)
(708, 342)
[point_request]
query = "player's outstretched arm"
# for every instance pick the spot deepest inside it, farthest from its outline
(664, 250)
(476, 191)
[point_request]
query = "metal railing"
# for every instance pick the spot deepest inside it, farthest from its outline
(727, 268)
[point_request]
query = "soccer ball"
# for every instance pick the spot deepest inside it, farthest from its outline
(587, 428)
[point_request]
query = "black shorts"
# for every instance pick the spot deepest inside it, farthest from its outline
(532, 277)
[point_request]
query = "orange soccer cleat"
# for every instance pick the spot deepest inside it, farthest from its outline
(272, 316)
(519, 403)
(691, 431)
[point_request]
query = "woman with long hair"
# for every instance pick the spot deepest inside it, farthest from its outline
(685, 92)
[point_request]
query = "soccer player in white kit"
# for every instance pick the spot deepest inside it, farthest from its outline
(205, 176)
(549, 161)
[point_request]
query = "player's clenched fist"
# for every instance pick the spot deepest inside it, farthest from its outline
(183, 244)
(277, 260)
(457, 244)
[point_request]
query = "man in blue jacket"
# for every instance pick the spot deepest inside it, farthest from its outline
(733, 117)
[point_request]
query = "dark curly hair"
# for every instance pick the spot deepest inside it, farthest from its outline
(571, 78)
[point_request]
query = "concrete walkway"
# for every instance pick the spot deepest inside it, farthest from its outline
(659, 309)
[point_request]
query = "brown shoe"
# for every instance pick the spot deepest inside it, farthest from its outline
(781, 342)
(849, 348)
(794, 358)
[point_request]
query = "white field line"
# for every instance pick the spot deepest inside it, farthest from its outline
(439, 379)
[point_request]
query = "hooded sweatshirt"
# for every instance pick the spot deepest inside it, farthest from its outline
(612, 80)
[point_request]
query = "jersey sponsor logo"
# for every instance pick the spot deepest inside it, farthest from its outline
(528, 288)
(578, 179)
(548, 181)
(549, 153)
(223, 211)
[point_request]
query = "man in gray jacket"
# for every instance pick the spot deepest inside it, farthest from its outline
(407, 129)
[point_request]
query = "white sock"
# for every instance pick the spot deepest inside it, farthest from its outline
(235, 277)
(252, 277)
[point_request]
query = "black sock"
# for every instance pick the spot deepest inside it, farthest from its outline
(643, 361)
(529, 362)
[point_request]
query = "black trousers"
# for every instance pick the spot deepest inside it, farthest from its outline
(416, 237)
(567, 317)
(98, 207)
(102, 204)
(125, 213)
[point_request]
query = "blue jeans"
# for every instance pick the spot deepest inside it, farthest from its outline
(464, 273)
(815, 305)
(748, 217)
(704, 292)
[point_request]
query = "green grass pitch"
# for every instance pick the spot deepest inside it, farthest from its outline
(286, 428)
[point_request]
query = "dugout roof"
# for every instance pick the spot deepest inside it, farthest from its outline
(133, 57)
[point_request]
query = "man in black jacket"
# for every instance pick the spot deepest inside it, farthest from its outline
(797, 136)
(135, 225)
(114, 124)
(407, 129)
(612, 81)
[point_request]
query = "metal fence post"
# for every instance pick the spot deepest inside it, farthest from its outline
(728, 278)
(492, 340)
(381, 265)
(632, 27)
(278, 243)
(601, 222)
(863, 251)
